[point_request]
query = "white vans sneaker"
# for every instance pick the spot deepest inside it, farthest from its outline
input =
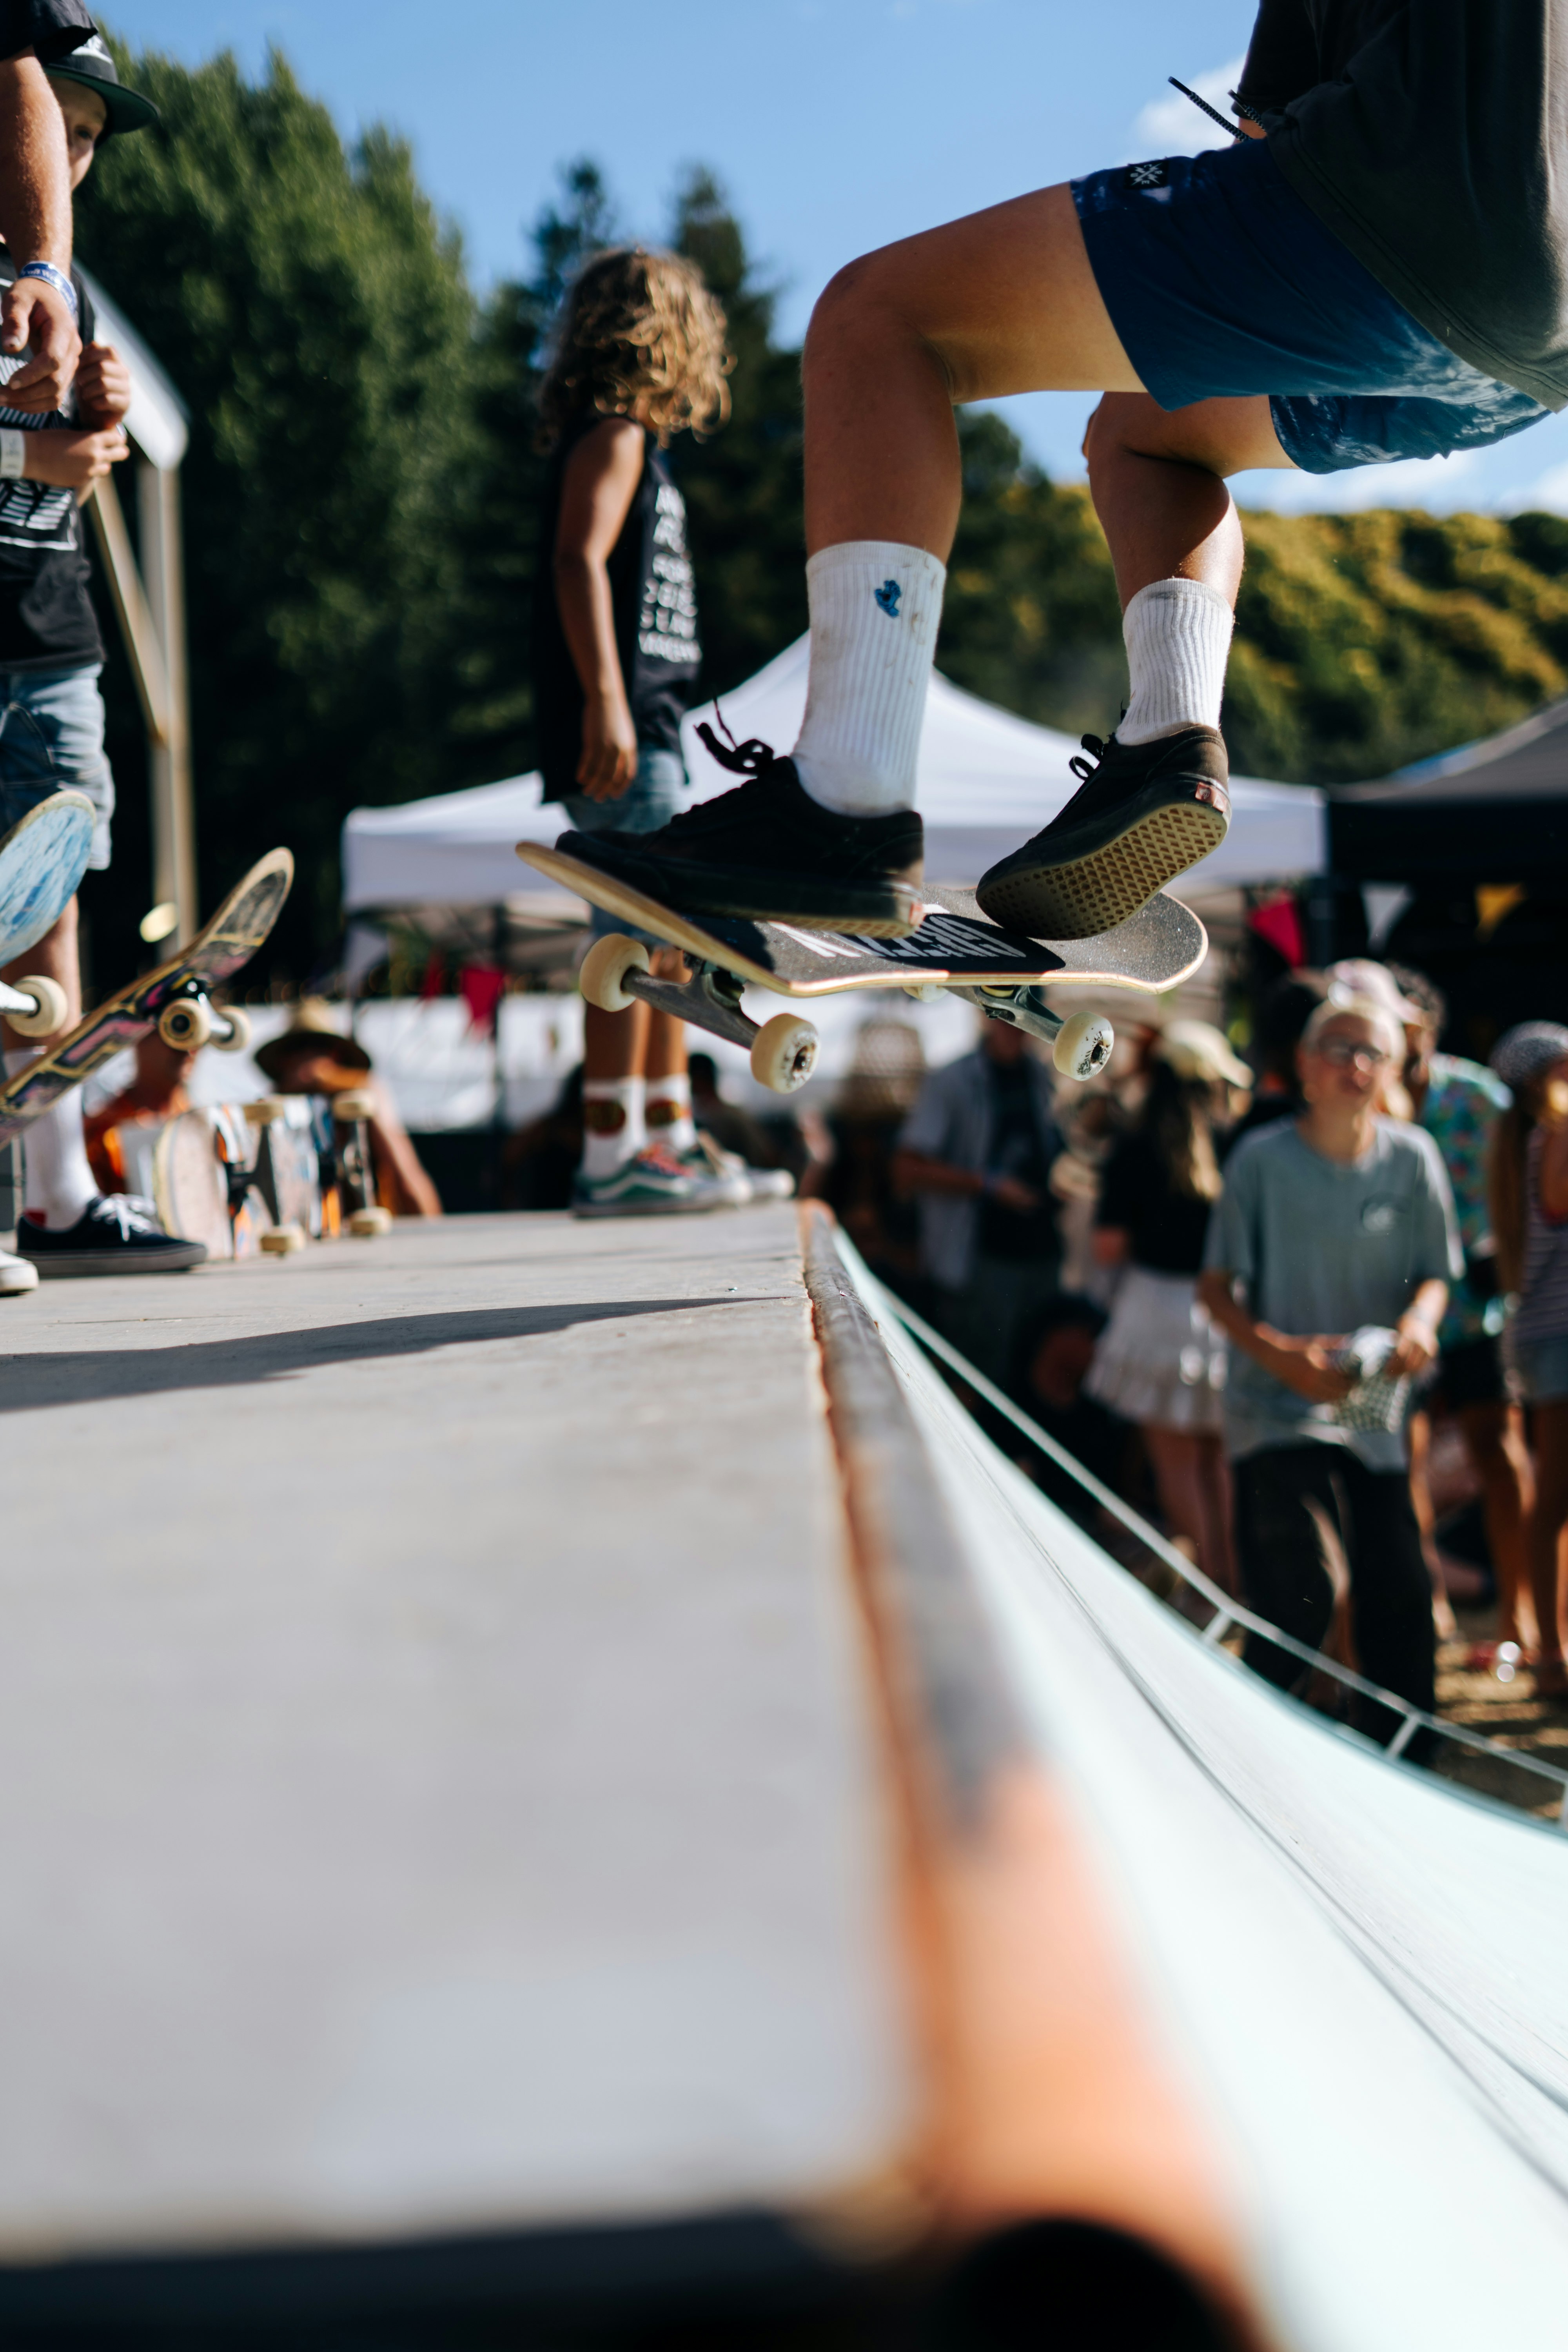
(16, 1275)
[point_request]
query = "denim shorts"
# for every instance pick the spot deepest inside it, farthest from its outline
(1222, 283)
(656, 794)
(1542, 1366)
(52, 740)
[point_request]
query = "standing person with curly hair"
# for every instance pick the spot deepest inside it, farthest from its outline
(1530, 1218)
(640, 357)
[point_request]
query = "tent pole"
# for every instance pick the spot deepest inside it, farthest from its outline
(173, 824)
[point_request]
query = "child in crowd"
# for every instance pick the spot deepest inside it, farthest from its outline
(616, 653)
(1530, 1218)
(51, 713)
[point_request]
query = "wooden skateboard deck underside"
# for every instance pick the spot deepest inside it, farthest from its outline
(1162, 944)
(41, 861)
(222, 948)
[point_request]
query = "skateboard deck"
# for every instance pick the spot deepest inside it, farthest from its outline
(203, 1180)
(954, 947)
(220, 948)
(41, 861)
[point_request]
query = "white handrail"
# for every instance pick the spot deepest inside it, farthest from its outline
(1228, 1613)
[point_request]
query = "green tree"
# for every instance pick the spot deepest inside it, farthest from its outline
(314, 314)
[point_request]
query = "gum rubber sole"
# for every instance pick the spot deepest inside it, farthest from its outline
(1106, 887)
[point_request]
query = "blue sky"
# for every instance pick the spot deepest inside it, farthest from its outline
(834, 124)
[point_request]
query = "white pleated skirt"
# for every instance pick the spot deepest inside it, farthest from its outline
(1159, 1358)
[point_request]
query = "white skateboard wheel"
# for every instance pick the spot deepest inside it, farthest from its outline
(282, 1241)
(265, 1111)
(353, 1105)
(367, 1223)
(605, 967)
(50, 1007)
(1083, 1045)
(186, 1024)
(236, 1037)
(924, 992)
(783, 1053)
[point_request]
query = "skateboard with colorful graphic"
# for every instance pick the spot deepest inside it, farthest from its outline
(176, 999)
(954, 949)
(205, 1183)
(42, 860)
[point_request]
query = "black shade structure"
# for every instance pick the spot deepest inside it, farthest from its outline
(1491, 812)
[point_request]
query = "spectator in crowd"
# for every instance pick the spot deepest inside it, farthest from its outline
(1286, 1009)
(313, 1058)
(1051, 1361)
(1459, 1103)
(51, 710)
(1530, 1217)
(1161, 1361)
(733, 1128)
(976, 1152)
(1327, 1265)
(859, 1145)
(617, 654)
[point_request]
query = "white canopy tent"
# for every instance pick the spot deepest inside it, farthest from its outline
(986, 780)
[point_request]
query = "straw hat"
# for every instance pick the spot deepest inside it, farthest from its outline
(313, 1031)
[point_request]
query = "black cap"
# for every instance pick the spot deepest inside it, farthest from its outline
(92, 65)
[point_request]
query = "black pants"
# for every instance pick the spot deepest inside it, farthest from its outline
(1306, 1515)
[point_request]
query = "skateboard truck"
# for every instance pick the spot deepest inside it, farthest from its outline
(190, 1020)
(1080, 1046)
(783, 1050)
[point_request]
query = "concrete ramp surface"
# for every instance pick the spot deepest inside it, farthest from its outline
(1362, 1974)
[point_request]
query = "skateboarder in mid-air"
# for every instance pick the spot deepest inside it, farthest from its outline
(1374, 271)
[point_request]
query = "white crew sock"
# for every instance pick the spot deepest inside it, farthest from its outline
(608, 1150)
(60, 1185)
(1178, 642)
(874, 607)
(669, 1119)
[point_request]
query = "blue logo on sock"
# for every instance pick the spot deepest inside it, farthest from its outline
(887, 596)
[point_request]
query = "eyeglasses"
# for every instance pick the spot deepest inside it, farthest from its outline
(1343, 1052)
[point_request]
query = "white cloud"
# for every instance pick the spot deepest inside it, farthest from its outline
(1173, 125)
(1429, 482)
(1547, 493)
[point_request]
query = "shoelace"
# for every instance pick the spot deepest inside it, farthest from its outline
(1084, 769)
(130, 1211)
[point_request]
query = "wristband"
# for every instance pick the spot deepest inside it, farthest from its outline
(13, 453)
(50, 275)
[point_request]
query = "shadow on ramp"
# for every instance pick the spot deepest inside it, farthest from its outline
(96, 1376)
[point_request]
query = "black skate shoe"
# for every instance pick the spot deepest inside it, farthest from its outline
(1146, 812)
(769, 852)
(117, 1233)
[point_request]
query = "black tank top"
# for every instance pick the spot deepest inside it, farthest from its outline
(654, 603)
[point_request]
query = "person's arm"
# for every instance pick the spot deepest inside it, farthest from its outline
(1417, 1329)
(36, 223)
(1110, 1244)
(1553, 1178)
(596, 493)
(1304, 1365)
(917, 1171)
(72, 461)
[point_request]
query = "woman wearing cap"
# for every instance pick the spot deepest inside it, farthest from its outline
(1161, 1361)
(1530, 1218)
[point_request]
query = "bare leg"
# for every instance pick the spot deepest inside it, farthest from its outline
(1006, 301)
(1444, 1622)
(54, 957)
(665, 1054)
(1494, 1439)
(1183, 1463)
(1547, 1526)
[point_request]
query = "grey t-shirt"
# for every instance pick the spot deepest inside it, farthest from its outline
(1326, 1245)
(1431, 136)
